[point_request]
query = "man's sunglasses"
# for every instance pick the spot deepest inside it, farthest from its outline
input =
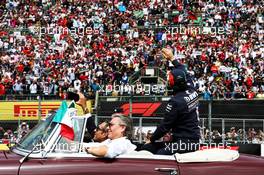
(112, 124)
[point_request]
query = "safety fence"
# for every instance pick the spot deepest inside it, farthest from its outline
(222, 130)
(220, 121)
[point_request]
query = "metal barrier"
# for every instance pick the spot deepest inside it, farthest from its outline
(241, 128)
(214, 126)
(221, 128)
(219, 125)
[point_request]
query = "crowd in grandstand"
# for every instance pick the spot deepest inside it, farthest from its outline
(49, 46)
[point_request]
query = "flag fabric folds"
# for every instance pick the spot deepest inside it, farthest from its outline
(64, 117)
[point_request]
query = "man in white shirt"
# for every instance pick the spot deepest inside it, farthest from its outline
(33, 88)
(18, 87)
(77, 84)
(118, 143)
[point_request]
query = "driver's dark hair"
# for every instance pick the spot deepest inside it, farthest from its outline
(106, 125)
(127, 121)
(180, 79)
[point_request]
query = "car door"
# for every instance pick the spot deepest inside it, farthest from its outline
(100, 166)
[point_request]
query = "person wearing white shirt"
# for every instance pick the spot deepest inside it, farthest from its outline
(118, 146)
(77, 84)
(135, 34)
(118, 143)
(18, 87)
(1, 44)
(71, 75)
(33, 88)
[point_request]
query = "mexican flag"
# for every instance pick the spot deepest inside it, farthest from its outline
(64, 117)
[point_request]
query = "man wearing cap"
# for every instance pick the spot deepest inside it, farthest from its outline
(181, 116)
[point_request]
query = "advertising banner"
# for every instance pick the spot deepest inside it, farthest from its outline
(29, 110)
(139, 109)
(220, 108)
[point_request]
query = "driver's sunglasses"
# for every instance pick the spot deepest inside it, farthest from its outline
(100, 129)
(104, 129)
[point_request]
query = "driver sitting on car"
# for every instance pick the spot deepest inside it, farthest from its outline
(101, 132)
(118, 131)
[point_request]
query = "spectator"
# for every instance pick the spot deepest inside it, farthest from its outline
(33, 88)
(18, 87)
(23, 129)
(2, 131)
(250, 94)
(148, 136)
(207, 94)
(113, 44)
(2, 89)
(6, 139)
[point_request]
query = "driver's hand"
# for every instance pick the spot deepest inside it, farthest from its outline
(82, 100)
(167, 54)
(86, 149)
(148, 142)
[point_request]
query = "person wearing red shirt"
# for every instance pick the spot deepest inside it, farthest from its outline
(20, 68)
(250, 95)
(2, 89)
(249, 81)
(83, 77)
(214, 70)
(204, 57)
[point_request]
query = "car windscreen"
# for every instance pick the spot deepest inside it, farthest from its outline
(71, 146)
(39, 135)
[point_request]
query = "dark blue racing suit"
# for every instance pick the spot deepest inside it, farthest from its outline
(181, 118)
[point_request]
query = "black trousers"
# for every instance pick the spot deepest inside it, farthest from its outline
(169, 148)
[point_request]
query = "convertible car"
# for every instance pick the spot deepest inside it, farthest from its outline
(44, 151)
